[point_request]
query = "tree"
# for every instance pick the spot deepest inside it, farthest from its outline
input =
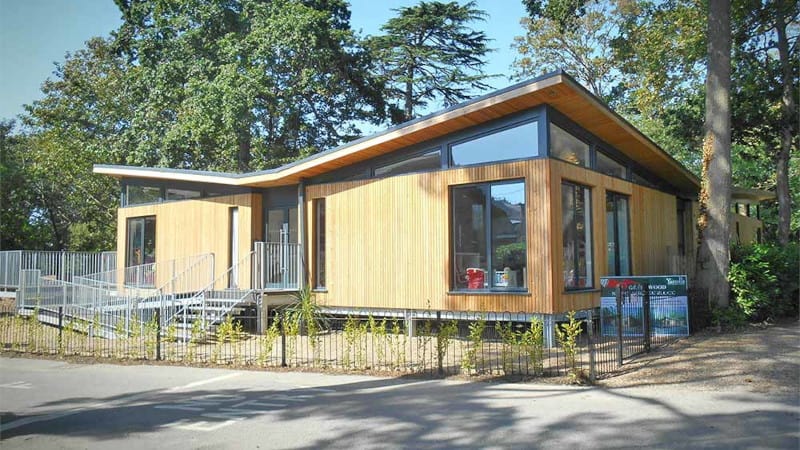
(582, 49)
(244, 84)
(428, 52)
(22, 223)
(713, 256)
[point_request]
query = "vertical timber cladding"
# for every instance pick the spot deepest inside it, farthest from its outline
(389, 241)
(653, 230)
(192, 227)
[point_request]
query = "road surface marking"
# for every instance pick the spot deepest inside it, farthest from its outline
(202, 382)
(17, 385)
(103, 405)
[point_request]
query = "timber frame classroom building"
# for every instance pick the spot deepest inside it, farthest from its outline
(517, 201)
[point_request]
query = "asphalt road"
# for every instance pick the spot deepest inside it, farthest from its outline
(54, 404)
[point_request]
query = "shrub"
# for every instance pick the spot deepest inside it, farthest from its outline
(567, 336)
(764, 280)
(470, 360)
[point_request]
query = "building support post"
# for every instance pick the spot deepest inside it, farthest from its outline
(302, 274)
(409, 320)
(549, 331)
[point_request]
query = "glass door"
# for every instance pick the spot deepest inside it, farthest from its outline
(281, 246)
(617, 235)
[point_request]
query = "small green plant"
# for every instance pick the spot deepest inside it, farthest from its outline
(567, 335)
(267, 341)
(227, 331)
(354, 333)
(425, 336)
(291, 327)
(150, 338)
(135, 336)
(196, 335)
(397, 346)
(171, 339)
(121, 335)
(379, 335)
(469, 362)
(509, 343)
(446, 332)
(532, 343)
(730, 317)
(307, 315)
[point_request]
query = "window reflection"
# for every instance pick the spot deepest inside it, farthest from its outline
(520, 141)
(567, 147)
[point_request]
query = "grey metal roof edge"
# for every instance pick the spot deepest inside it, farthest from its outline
(415, 121)
(169, 170)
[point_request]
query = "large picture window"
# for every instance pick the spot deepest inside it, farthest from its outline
(576, 218)
(489, 241)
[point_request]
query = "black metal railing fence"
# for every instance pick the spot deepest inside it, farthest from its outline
(592, 344)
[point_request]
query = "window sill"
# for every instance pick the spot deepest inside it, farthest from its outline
(320, 290)
(489, 292)
(580, 291)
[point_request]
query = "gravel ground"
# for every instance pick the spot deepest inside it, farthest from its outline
(760, 359)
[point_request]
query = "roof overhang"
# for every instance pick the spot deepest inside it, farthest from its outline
(745, 195)
(557, 90)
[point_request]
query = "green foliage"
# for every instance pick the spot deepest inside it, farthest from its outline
(306, 313)
(398, 343)
(267, 341)
(429, 52)
(764, 280)
(583, 49)
(446, 332)
(532, 344)
(509, 344)
(150, 338)
(196, 336)
(229, 331)
(567, 335)
(354, 352)
(379, 333)
(470, 361)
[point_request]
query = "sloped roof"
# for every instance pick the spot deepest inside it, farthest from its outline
(558, 90)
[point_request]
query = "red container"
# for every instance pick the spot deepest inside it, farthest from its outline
(475, 278)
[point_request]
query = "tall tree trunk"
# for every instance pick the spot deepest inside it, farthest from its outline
(713, 256)
(409, 95)
(787, 132)
(243, 158)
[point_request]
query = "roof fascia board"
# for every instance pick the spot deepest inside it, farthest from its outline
(641, 137)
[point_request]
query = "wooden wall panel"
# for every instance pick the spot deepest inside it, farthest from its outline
(653, 228)
(193, 227)
(747, 231)
(388, 241)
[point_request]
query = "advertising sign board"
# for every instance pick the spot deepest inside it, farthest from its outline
(669, 305)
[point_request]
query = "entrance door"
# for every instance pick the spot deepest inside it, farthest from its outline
(617, 235)
(281, 263)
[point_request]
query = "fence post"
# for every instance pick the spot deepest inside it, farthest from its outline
(618, 295)
(646, 316)
(590, 337)
(439, 353)
(60, 328)
(158, 334)
(283, 340)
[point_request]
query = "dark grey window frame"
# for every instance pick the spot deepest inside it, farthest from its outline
(206, 190)
(539, 153)
(589, 244)
(487, 236)
(320, 243)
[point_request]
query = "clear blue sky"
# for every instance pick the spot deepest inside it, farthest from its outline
(35, 34)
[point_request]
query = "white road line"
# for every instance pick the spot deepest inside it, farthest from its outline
(17, 385)
(202, 382)
(102, 405)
